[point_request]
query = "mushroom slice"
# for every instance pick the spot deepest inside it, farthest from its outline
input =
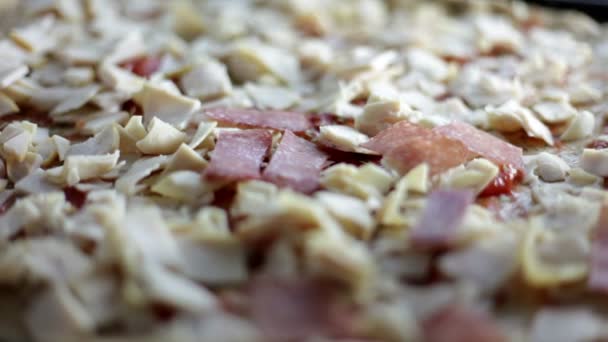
(36, 183)
(206, 80)
(271, 97)
(162, 138)
(62, 145)
(56, 315)
(7, 105)
(17, 170)
(213, 262)
(352, 212)
(380, 115)
(36, 37)
(157, 102)
(185, 158)
(511, 116)
(580, 127)
(162, 285)
(554, 112)
(343, 138)
(251, 59)
(204, 130)
(118, 79)
(17, 146)
(184, 186)
(96, 122)
(368, 182)
(84, 167)
(475, 175)
(106, 141)
(595, 161)
(141, 169)
(11, 73)
(79, 76)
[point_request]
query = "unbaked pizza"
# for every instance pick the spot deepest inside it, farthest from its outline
(302, 170)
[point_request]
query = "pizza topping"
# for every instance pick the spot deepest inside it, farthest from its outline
(554, 112)
(580, 127)
(140, 169)
(380, 115)
(459, 324)
(406, 145)
(511, 116)
(569, 324)
(296, 163)
(396, 135)
(290, 309)
(207, 80)
(271, 97)
(504, 182)
(239, 155)
(166, 104)
(439, 152)
(326, 163)
(484, 144)
(550, 168)
(293, 121)
(442, 216)
(343, 138)
(595, 161)
(475, 175)
(598, 274)
(143, 66)
(162, 138)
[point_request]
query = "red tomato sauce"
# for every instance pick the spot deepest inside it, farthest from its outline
(143, 66)
(503, 184)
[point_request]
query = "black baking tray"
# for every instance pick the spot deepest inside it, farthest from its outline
(597, 9)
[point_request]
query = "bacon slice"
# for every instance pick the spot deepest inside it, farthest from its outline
(396, 135)
(239, 155)
(443, 214)
(598, 272)
(290, 310)
(458, 324)
(484, 144)
(296, 163)
(280, 120)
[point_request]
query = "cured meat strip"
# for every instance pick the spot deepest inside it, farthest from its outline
(396, 135)
(439, 152)
(443, 214)
(457, 324)
(287, 309)
(239, 155)
(598, 272)
(484, 144)
(280, 120)
(405, 145)
(296, 164)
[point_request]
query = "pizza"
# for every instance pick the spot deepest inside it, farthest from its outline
(302, 170)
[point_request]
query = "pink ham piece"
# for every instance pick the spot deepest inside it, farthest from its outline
(296, 163)
(454, 323)
(439, 152)
(290, 309)
(396, 135)
(239, 155)
(405, 145)
(598, 273)
(443, 214)
(484, 144)
(279, 120)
